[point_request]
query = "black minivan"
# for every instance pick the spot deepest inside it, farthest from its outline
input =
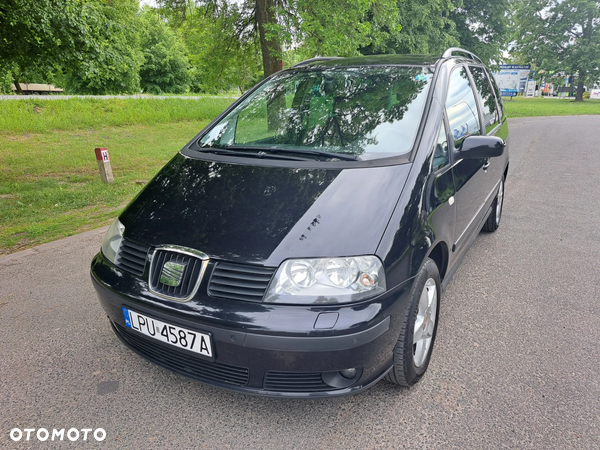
(299, 244)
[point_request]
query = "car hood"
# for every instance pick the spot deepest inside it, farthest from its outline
(264, 214)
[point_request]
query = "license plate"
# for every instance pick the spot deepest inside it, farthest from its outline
(169, 334)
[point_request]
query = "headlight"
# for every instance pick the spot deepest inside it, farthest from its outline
(327, 280)
(112, 240)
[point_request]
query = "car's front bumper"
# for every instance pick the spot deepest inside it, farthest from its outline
(270, 350)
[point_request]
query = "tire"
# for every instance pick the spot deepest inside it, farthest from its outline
(493, 221)
(411, 358)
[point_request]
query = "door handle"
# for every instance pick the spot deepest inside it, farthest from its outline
(486, 165)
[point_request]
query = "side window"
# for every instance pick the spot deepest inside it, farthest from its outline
(497, 92)
(461, 107)
(487, 98)
(440, 154)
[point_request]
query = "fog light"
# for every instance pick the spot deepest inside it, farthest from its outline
(348, 373)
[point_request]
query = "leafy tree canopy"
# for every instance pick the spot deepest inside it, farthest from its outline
(224, 50)
(560, 35)
(425, 29)
(166, 66)
(109, 46)
(108, 59)
(338, 28)
(93, 43)
(38, 35)
(311, 27)
(482, 26)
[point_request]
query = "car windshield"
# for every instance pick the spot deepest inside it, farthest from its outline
(366, 112)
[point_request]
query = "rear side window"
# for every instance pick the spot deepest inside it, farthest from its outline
(486, 96)
(461, 107)
(498, 96)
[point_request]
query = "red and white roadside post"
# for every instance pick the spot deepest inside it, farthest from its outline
(104, 165)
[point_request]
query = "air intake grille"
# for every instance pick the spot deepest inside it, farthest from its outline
(131, 257)
(188, 278)
(295, 382)
(240, 282)
(181, 362)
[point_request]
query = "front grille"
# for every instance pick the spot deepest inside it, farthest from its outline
(189, 278)
(132, 256)
(295, 382)
(240, 282)
(181, 362)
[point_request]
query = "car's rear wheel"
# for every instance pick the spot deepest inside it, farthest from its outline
(493, 221)
(413, 349)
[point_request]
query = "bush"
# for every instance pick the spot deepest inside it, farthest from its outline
(586, 94)
(109, 57)
(6, 82)
(166, 65)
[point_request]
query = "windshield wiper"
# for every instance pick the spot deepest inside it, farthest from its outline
(246, 154)
(300, 151)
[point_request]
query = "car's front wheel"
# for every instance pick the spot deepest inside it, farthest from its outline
(413, 349)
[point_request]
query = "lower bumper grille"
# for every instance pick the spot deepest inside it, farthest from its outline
(182, 363)
(295, 382)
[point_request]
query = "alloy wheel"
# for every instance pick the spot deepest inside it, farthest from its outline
(499, 200)
(425, 322)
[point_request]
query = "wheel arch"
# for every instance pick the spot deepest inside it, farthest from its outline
(439, 254)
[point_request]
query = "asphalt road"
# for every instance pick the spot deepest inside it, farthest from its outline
(516, 363)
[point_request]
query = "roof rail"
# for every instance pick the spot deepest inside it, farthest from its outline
(448, 53)
(318, 58)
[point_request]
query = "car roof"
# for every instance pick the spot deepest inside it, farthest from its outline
(371, 60)
(454, 53)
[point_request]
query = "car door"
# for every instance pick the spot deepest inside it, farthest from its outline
(493, 124)
(470, 177)
(440, 190)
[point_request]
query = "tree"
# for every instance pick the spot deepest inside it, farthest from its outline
(315, 26)
(165, 67)
(482, 26)
(431, 27)
(107, 57)
(425, 29)
(223, 53)
(36, 34)
(270, 42)
(93, 41)
(339, 28)
(560, 35)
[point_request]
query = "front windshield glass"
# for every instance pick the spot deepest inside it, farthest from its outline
(369, 112)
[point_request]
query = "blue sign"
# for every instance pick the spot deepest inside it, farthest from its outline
(515, 66)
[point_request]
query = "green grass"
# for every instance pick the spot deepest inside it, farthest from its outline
(80, 113)
(50, 186)
(538, 106)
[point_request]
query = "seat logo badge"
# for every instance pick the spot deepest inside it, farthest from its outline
(172, 273)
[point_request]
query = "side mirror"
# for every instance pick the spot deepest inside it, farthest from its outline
(481, 147)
